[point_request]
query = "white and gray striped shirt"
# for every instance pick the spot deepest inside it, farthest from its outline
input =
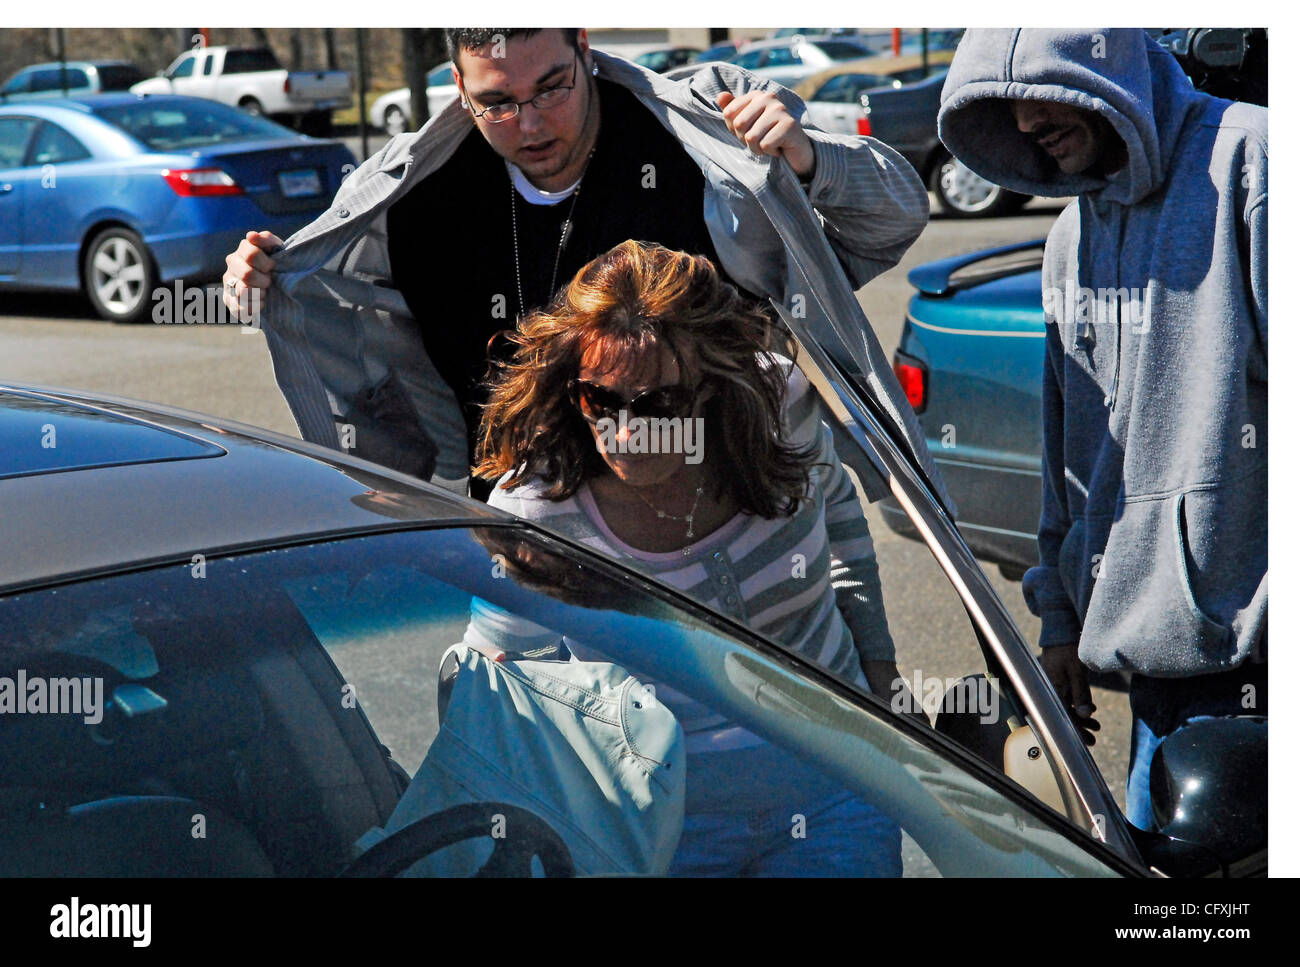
(808, 581)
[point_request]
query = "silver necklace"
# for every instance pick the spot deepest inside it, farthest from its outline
(559, 250)
(689, 518)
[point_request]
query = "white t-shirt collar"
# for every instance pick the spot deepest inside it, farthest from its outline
(534, 195)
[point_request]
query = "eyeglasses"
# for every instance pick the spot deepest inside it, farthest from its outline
(595, 402)
(549, 98)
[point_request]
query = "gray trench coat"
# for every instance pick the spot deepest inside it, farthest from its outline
(350, 359)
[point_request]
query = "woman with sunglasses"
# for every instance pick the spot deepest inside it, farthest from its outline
(644, 413)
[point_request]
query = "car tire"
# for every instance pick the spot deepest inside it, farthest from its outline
(394, 120)
(253, 106)
(118, 275)
(964, 194)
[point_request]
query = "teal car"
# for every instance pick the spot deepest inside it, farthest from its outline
(971, 360)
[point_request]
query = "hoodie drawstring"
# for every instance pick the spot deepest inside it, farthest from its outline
(1121, 311)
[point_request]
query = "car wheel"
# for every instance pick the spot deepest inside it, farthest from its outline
(252, 106)
(394, 120)
(964, 194)
(118, 275)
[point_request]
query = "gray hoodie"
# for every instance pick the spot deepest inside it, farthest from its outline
(1153, 541)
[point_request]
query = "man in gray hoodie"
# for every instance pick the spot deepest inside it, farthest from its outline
(1153, 538)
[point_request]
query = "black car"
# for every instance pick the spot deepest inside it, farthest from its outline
(245, 633)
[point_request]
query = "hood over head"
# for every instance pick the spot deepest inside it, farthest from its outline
(1134, 83)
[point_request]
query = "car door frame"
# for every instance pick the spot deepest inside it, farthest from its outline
(1088, 800)
(14, 184)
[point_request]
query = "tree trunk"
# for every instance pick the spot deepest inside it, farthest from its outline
(331, 53)
(415, 66)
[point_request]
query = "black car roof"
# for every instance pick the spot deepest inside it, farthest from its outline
(140, 483)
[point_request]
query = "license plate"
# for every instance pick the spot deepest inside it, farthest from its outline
(300, 184)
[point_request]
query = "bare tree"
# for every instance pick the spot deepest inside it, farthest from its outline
(331, 53)
(420, 49)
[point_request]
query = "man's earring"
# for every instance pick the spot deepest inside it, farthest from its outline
(594, 70)
(464, 103)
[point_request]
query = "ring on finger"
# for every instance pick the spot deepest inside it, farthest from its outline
(232, 286)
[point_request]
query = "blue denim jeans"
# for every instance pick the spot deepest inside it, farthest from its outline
(761, 812)
(1163, 705)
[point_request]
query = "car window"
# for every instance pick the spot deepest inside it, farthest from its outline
(54, 79)
(657, 60)
(187, 123)
(53, 146)
(781, 57)
(15, 133)
(184, 67)
(913, 75)
(249, 61)
(841, 49)
(269, 688)
(440, 77)
(846, 88)
(749, 60)
(20, 83)
(118, 77)
(208, 62)
(834, 91)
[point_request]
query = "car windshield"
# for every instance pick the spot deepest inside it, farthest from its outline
(175, 125)
(302, 699)
(842, 49)
(118, 77)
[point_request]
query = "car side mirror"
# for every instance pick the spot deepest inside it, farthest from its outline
(1209, 796)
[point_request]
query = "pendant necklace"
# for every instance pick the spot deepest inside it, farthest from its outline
(689, 518)
(564, 237)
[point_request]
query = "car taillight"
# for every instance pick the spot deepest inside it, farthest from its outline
(911, 375)
(864, 124)
(286, 83)
(192, 182)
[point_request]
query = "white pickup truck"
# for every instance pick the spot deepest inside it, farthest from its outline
(251, 78)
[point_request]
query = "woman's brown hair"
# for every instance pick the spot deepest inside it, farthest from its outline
(638, 297)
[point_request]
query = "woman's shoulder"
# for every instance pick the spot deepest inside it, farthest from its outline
(800, 411)
(526, 499)
(797, 385)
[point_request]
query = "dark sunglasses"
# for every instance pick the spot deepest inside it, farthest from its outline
(595, 402)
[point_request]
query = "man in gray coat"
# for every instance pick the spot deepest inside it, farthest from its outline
(379, 315)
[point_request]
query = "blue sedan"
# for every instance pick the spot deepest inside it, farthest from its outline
(115, 195)
(971, 361)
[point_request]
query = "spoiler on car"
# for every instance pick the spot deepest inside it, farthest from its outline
(945, 277)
